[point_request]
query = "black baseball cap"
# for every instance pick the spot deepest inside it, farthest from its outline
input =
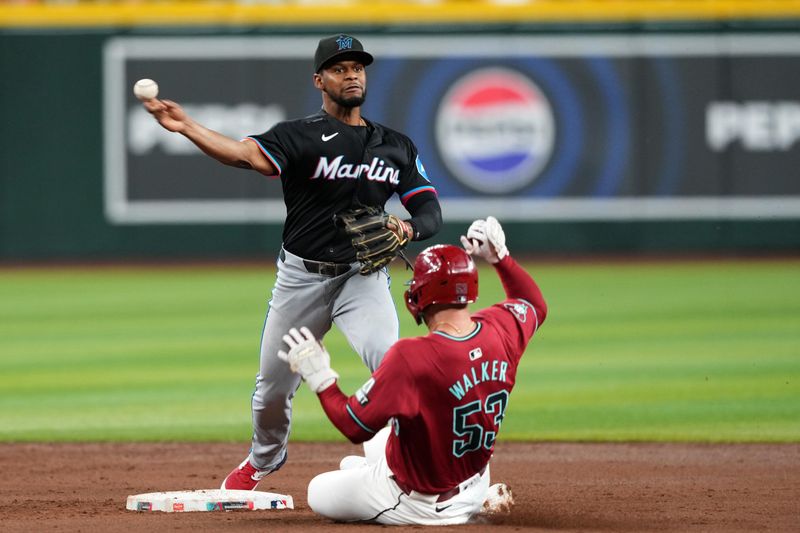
(339, 47)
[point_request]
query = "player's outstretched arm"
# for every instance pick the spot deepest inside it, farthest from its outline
(224, 149)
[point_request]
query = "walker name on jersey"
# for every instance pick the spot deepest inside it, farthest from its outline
(376, 170)
(479, 374)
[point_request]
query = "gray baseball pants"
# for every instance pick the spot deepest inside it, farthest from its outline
(360, 306)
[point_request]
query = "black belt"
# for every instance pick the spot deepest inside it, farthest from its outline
(319, 267)
(443, 496)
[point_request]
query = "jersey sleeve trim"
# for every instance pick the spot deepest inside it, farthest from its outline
(413, 192)
(266, 153)
(357, 421)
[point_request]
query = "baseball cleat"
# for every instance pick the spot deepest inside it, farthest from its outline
(499, 500)
(246, 476)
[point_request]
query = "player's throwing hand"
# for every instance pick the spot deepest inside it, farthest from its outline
(169, 114)
(486, 238)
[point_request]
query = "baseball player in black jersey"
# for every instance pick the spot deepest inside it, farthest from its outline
(327, 163)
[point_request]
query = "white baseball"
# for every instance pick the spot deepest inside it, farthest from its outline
(145, 89)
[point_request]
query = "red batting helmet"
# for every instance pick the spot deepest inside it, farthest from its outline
(443, 274)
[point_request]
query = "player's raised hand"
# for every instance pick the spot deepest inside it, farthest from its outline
(308, 358)
(486, 239)
(169, 114)
(476, 234)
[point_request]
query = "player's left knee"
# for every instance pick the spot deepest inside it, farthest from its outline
(318, 496)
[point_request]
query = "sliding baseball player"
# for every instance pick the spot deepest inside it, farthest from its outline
(444, 394)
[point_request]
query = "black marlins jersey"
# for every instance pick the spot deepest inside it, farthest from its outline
(327, 166)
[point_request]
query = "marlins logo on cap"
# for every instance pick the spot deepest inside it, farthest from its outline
(340, 47)
(495, 130)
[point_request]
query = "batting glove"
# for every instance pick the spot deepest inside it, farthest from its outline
(486, 238)
(308, 358)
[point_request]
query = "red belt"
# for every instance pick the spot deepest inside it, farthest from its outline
(443, 496)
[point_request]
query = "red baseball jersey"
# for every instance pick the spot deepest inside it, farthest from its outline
(446, 396)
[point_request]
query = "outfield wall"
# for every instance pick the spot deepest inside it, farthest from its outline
(584, 136)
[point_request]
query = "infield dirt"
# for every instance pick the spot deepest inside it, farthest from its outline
(557, 487)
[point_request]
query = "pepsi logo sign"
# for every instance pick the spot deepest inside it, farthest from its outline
(495, 130)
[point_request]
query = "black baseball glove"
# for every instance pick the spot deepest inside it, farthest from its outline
(377, 237)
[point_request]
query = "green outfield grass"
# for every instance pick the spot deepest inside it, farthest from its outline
(698, 351)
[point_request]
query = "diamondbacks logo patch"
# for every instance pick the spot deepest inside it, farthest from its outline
(520, 311)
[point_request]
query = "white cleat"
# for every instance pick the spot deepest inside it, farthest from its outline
(499, 500)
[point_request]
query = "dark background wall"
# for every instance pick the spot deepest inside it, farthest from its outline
(52, 167)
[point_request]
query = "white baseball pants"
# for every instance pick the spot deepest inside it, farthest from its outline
(365, 491)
